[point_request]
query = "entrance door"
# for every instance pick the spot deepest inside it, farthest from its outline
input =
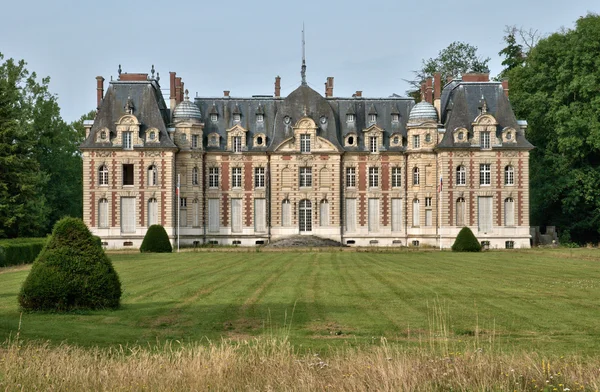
(305, 216)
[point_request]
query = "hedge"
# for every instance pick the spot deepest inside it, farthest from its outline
(20, 250)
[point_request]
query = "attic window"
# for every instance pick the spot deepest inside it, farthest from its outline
(287, 119)
(152, 135)
(372, 118)
(395, 118)
(349, 118)
(460, 136)
(214, 117)
(236, 117)
(428, 138)
(350, 140)
(508, 136)
(259, 118)
(259, 141)
(396, 140)
(103, 135)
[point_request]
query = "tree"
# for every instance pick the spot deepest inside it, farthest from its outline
(456, 59)
(466, 241)
(519, 43)
(156, 240)
(71, 272)
(556, 90)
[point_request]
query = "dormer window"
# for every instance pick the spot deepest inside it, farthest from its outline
(485, 140)
(237, 144)
(428, 138)
(259, 118)
(372, 118)
(349, 118)
(304, 143)
(373, 143)
(152, 135)
(508, 135)
(416, 141)
(195, 139)
(214, 117)
(395, 118)
(128, 140)
(103, 135)
(237, 117)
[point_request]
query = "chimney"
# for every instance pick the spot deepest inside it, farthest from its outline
(505, 86)
(181, 92)
(428, 91)
(99, 90)
(437, 91)
(476, 77)
(358, 94)
(422, 91)
(177, 90)
(226, 93)
(172, 96)
(329, 87)
(277, 86)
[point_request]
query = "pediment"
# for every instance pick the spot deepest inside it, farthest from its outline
(373, 129)
(128, 119)
(305, 123)
(485, 119)
(237, 129)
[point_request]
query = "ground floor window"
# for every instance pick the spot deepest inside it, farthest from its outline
(485, 213)
(103, 213)
(152, 212)
(396, 214)
(350, 215)
(305, 215)
(286, 213)
(213, 215)
(128, 214)
(324, 213)
(260, 215)
(236, 215)
(373, 215)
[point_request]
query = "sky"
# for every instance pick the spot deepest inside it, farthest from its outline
(241, 46)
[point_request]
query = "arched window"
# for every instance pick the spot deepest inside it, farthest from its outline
(152, 176)
(509, 175)
(103, 213)
(416, 176)
(103, 175)
(460, 211)
(195, 175)
(152, 212)
(324, 178)
(509, 212)
(286, 213)
(324, 216)
(461, 175)
(416, 212)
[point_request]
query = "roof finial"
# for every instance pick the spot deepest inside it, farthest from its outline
(152, 71)
(303, 71)
(119, 70)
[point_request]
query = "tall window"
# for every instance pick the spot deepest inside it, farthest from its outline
(428, 202)
(103, 213)
(152, 212)
(152, 176)
(128, 214)
(305, 176)
(485, 213)
(484, 174)
(236, 177)
(213, 177)
(509, 212)
(373, 177)
(196, 212)
(416, 212)
(324, 213)
(237, 144)
(416, 176)
(305, 215)
(350, 215)
(183, 217)
(396, 177)
(485, 139)
(195, 176)
(259, 177)
(195, 139)
(214, 212)
(304, 143)
(460, 211)
(127, 140)
(128, 174)
(373, 143)
(396, 214)
(236, 215)
(416, 141)
(373, 211)
(260, 215)
(103, 175)
(286, 213)
(350, 177)
(509, 175)
(461, 175)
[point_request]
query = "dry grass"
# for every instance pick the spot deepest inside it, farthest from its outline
(272, 364)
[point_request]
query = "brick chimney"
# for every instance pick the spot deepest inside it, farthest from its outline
(177, 90)
(181, 90)
(505, 86)
(226, 93)
(358, 94)
(133, 77)
(99, 91)
(437, 91)
(476, 77)
(172, 96)
(329, 87)
(277, 86)
(428, 91)
(423, 91)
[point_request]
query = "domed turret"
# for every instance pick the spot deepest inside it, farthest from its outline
(422, 112)
(186, 110)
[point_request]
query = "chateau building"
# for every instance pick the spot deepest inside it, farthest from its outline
(361, 171)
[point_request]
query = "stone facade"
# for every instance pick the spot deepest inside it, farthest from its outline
(361, 171)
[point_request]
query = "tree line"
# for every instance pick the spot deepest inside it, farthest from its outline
(554, 85)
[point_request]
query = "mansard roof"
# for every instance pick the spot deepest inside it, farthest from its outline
(148, 107)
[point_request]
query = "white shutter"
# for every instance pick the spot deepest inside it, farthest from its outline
(485, 213)
(213, 215)
(260, 215)
(350, 215)
(286, 214)
(396, 214)
(196, 213)
(103, 213)
(236, 215)
(509, 212)
(128, 214)
(152, 212)
(324, 213)
(460, 213)
(416, 213)
(428, 218)
(373, 215)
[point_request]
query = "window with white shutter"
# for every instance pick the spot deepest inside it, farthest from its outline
(236, 215)
(103, 213)
(373, 215)
(396, 214)
(485, 213)
(416, 213)
(152, 212)
(350, 215)
(213, 215)
(286, 213)
(128, 214)
(324, 213)
(260, 215)
(460, 211)
(196, 212)
(509, 212)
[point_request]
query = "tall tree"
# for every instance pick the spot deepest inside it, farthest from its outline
(519, 43)
(454, 60)
(557, 91)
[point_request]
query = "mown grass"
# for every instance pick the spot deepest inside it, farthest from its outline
(543, 301)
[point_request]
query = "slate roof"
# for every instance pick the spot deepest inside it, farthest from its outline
(149, 108)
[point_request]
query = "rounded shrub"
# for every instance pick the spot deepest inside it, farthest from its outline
(71, 272)
(466, 241)
(156, 240)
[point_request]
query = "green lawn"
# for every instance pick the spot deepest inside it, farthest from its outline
(534, 300)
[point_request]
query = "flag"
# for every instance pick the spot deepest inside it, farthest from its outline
(440, 186)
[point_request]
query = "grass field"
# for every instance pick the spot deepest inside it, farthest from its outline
(546, 301)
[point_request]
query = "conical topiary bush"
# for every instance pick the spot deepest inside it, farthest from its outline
(71, 272)
(466, 241)
(156, 240)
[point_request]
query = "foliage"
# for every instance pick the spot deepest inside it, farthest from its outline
(20, 251)
(71, 272)
(519, 43)
(156, 240)
(456, 59)
(556, 90)
(466, 241)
